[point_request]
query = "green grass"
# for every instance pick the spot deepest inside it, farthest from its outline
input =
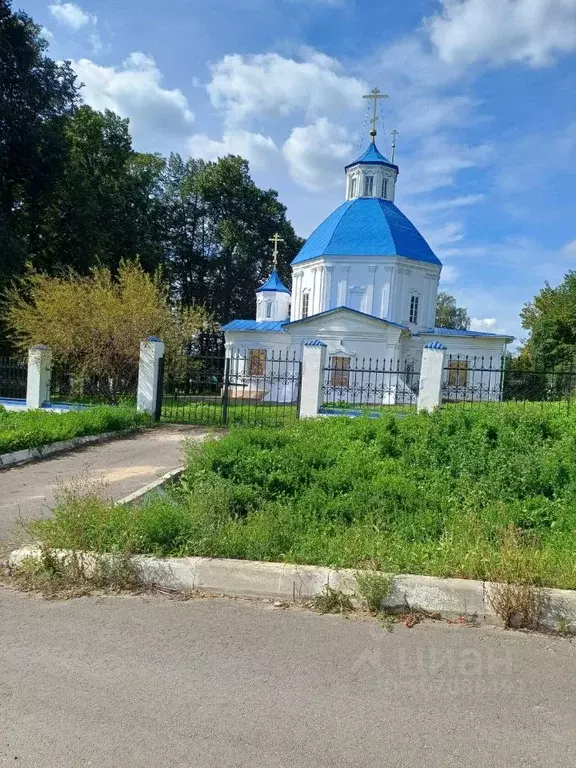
(487, 492)
(32, 429)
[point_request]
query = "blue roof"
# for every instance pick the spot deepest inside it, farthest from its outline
(434, 345)
(460, 332)
(348, 309)
(367, 226)
(273, 326)
(372, 156)
(273, 284)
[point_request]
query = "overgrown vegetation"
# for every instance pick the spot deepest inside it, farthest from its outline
(486, 492)
(32, 429)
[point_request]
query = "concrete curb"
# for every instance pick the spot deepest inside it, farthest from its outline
(149, 489)
(32, 454)
(451, 598)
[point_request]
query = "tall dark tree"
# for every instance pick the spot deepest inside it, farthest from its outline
(106, 205)
(220, 225)
(37, 95)
(449, 314)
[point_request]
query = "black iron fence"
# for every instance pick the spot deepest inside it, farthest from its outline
(367, 384)
(68, 386)
(252, 386)
(469, 380)
(13, 376)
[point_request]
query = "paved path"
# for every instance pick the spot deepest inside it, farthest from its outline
(132, 681)
(124, 465)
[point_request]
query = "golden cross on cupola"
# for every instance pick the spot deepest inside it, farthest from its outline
(374, 95)
(276, 239)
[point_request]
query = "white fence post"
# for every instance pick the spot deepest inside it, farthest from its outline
(312, 384)
(431, 372)
(151, 352)
(39, 373)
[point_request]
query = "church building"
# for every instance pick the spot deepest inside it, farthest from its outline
(365, 284)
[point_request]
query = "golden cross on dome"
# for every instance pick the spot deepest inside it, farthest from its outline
(276, 239)
(374, 95)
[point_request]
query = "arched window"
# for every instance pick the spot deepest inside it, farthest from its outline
(414, 301)
(352, 187)
(368, 186)
(384, 187)
(268, 309)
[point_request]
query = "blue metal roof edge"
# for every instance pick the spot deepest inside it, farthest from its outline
(434, 345)
(463, 333)
(349, 309)
(258, 326)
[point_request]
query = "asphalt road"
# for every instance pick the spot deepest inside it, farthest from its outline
(146, 681)
(123, 465)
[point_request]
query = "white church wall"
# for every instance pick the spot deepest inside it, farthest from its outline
(380, 286)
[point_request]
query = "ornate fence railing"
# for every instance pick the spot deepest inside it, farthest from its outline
(13, 375)
(469, 380)
(367, 383)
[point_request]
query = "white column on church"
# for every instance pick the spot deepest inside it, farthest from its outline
(314, 291)
(320, 299)
(370, 289)
(327, 301)
(343, 288)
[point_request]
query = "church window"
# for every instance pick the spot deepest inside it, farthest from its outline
(305, 304)
(352, 187)
(458, 373)
(268, 309)
(368, 186)
(385, 188)
(340, 376)
(257, 362)
(414, 301)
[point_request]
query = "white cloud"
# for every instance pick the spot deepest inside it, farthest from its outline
(270, 84)
(71, 15)
(570, 249)
(96, 43)
(449, 274)
(135, 90)
(437, 162)
(259, 150)
(450, 203)
(498, 31)
(317, 153)
(487, 324)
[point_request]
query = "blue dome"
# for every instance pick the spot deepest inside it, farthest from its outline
(372, 156)
(367, 226)
(273, 284)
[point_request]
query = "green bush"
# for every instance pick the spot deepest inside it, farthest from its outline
(461, 492)
(33, 429)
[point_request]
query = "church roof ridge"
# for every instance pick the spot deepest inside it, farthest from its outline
(372, 156)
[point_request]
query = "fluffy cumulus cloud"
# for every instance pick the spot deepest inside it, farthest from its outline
(71, 15)
(259, 150)
(269, 84)
(316, 154)
(135, 90)
(529, 31)
(486, 324)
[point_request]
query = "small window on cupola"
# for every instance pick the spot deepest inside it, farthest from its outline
(352, 188)
(268, 309)
(368, 186)
(384, 187)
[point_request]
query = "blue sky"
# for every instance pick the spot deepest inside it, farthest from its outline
(483, 93)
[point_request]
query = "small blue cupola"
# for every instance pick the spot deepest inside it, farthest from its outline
(372, 175)
(273, 284)
(272, 299)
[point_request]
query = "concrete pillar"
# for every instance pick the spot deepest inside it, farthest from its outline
(431, 373)
(39, 372)
(311, 392)
(151, 352)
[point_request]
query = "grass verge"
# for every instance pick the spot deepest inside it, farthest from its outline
(33, 429)
(484, 493)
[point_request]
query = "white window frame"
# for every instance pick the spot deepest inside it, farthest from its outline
(385, 188)
(368, 181)
(268, 312)
(352, 187)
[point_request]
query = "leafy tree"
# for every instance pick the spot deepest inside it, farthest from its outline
(106, 205)
(36, 96)
(551, 320)
(94, 323)
(449, 315)
(219, 225)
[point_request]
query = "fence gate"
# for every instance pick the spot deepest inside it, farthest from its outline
(253, 386)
